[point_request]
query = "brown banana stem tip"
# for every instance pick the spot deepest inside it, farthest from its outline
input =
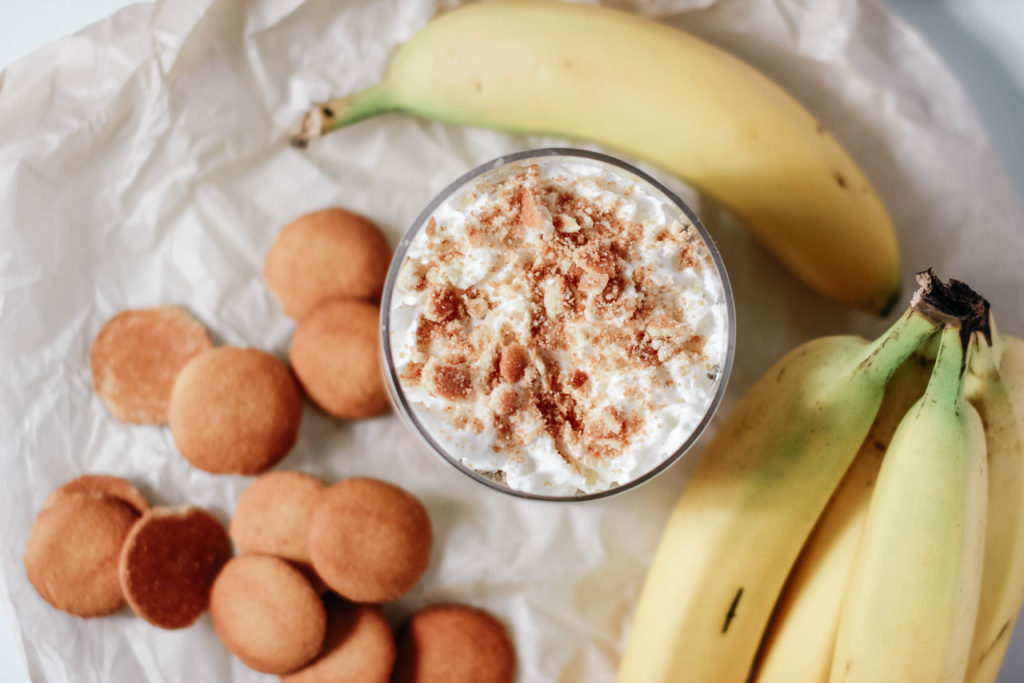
(310, 126)
(955, 299)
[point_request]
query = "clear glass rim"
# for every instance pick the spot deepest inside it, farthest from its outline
(408, 414)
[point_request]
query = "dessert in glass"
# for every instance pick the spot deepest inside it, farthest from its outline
(557, 325)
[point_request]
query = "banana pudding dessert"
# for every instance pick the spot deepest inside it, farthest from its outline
(558, 324)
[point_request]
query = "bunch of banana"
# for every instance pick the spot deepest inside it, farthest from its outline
(659, 94)
(800, 642)
(836, 523)
(754, 498)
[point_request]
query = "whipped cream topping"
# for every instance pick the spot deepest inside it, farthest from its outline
(559, 326)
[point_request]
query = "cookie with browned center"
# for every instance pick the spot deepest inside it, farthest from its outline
(323, 255)
(267, 614)
(101, 484)
(273, 515)
(453, 644)
(336, 355)
(72, 552)
(169, 562)
(235, 411)
(136, 357)
(359, 647)
(369, 540)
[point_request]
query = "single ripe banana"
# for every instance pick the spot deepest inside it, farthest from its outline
(752, 501)
(998, 394)
(655, 92)
(909, 611)
(799, 643)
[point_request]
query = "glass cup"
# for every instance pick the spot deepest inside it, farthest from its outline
(503, 167)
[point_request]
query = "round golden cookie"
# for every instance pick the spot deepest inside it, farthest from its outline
(72, 552)
(136, 357)
(102, 484)
(336, 354)
(235, 411)
(169, 562)
(326, 254)
(359, 647)
(267, 614)
(273, 515)
(369, 540)
(453, 644)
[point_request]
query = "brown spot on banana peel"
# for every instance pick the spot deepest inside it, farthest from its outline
(731, 614)
(1005, 630)
(800, 353)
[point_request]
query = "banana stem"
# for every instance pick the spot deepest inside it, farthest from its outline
(340, 112)
(935, 303)
(995, 342)
(951, 304)
(953, 300)
(882, 356)
(946, 384)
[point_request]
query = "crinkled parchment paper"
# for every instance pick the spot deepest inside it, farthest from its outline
(144, 161)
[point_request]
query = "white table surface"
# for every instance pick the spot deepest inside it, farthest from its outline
(982, 42)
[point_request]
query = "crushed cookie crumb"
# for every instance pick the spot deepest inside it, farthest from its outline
(693, 345)
(513, 363)
(661, 326)
(529, 215)
(477, 307)
(453, 382)
(593, 282)
(504, 400)
(557, 297)
(412, 276)
(578, 379)
(596, 258)
(687, 258)
(442, 304)
(412, 374)
(605, 424)
(564, 222)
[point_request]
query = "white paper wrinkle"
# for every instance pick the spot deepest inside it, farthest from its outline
(144, 162)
